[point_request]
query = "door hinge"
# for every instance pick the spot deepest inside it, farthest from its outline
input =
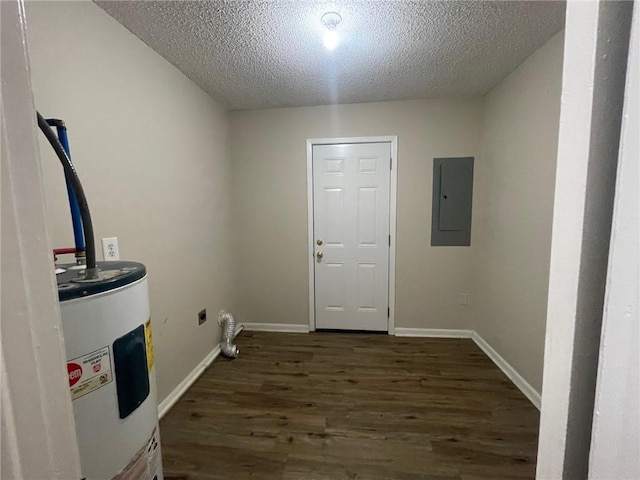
(389, 240)
(391, 164)
(388, 312)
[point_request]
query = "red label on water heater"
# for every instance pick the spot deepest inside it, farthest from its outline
(89, 372)
(75, 372)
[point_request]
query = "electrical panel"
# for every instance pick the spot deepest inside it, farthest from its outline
(452, 201)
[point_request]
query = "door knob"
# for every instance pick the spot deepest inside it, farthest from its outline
(319, 242)
(319, 255)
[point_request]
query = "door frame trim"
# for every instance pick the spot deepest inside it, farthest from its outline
(393, 194)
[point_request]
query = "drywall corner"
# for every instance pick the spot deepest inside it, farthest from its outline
(153, 152)
(515, 180)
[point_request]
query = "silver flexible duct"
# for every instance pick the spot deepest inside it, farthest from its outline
(228, 324)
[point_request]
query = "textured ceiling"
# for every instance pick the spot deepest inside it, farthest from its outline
(263, 54)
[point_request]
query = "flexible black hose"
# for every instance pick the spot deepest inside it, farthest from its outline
(70, 171)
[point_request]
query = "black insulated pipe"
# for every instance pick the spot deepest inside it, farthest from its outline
(70, 171)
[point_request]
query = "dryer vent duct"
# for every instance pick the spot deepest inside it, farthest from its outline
(228, 324)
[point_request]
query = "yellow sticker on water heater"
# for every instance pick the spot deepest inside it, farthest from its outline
(148, 340)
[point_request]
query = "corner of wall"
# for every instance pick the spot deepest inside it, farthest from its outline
(150, 146)
(514, 209)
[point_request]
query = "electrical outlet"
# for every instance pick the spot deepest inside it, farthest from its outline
(202, 316)
(110, 250)
(464, 299)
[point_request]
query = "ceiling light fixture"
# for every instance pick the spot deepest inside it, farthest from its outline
(331, 21)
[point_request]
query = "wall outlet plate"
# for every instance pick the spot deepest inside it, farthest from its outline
(110, 250)
(202, 316)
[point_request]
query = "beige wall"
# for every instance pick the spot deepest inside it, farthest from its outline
(270, 205)
(513, 216)
(152, 152)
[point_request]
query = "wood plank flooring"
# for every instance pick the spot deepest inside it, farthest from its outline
(333, 406)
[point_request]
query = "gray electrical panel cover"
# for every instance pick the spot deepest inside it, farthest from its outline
(452, 199)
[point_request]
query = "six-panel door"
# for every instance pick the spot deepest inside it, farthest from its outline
(351, 235)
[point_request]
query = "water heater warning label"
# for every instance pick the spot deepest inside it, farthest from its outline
(148, 340)
(146, 464)
(89, 372)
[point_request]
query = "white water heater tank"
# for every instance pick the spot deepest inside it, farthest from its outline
(110, 361)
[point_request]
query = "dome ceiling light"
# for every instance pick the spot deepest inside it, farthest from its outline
(331, 21)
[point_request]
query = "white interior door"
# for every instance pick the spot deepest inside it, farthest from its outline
(351, 184)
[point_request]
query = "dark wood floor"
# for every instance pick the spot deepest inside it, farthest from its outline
(351, 406)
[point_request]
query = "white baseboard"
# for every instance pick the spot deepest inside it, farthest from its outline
(276, 327)
(432, 332)
(184, 385)
(531, 393)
